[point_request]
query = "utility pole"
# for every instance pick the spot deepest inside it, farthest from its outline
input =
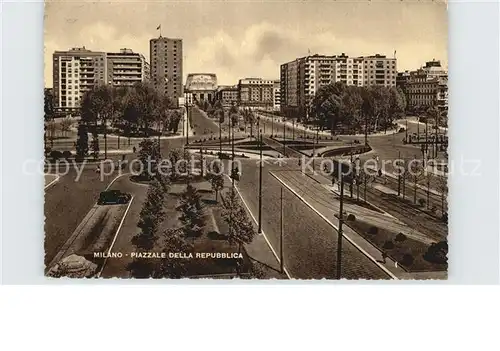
(293, 129)
(260, 186)
(366, 129)
(187, 125)
(232, 149)
(284, 147)
(220, 135)
(426, 141)
(436, 134)
(282, 265)
(341, 220)
(399, 175)
(272, 125)
(350, 170)
(406, 130)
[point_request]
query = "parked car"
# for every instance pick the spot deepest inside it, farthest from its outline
(111, 197)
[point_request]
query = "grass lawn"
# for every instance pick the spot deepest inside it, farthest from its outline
(410, 246)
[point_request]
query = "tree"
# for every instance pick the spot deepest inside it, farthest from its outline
(50, 129)
(173, 240)
(149, 156)
(82, 142)
(48, 105)
(173, 122)
(216, 179)
(241, 230)
(176, 155)
(151, 216)
(66, 124)
(192, 210)
(94, 145)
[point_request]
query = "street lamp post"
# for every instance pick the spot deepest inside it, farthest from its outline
(341, 221)
(260, 185)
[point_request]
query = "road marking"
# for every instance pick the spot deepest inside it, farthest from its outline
(52, 182)
(337, 229)
(262, 231)
(118, 176)
(114, 239)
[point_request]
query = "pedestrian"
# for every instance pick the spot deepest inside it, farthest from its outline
(384, 257)
(133, 149)
(98, 169)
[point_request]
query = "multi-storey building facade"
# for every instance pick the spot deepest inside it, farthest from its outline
(228, 95)
(74, 72)
(125, 68)
(301, 79)
(256, 93)
(202, 86)
(379, 70)
(425, 87)
(79, 70)
(276, 95)
(166, 66)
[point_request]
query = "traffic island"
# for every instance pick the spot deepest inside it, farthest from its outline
(412, 255)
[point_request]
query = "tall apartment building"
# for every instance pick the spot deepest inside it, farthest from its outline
(73, 73)
(166, 66)
(125, 68)
(78, 70)
(427, 87)
(256, 93)
(301, 79)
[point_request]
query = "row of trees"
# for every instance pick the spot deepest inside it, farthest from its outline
(192, 217)
(136, 110)
(357, 108)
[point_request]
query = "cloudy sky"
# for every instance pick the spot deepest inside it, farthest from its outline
(251, 38)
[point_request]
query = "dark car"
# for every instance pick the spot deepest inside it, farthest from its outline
(112, 197)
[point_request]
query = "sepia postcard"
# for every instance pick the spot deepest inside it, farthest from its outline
(246, 139)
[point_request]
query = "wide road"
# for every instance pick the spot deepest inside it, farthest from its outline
(309, 241)
(67, 202)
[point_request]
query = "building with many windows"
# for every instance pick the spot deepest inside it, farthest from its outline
(276, 95)
(227, 94)
(256, 93)
(78, 70)
(74, 72)
(425, 87)
(301, 79)
(125, 68)
(166, 66)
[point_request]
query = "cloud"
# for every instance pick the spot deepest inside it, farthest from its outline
(255, 51)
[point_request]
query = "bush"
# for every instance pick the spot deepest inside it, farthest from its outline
(373, 230)
(437, 253)
(407, 260)
(351, 217)
(400, 237)
(66, 154)
(388, 245)
(55, 155)
(421, 202)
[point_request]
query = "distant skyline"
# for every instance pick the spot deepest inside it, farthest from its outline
(250, 38)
